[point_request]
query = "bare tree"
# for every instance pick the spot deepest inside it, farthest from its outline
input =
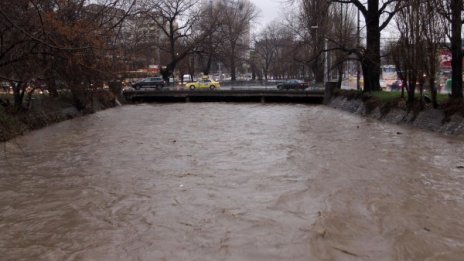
(16, 45)
(433, 32)
(138, 42)
(343, 40)
(265, 47)
(38, 35)
(451, 11)
(408, 53)
(179, 25)
(235, 22)
(209, 50)
(377, 15)
(313, 26)
(416, 52)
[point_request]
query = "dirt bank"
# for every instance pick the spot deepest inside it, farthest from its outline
(46, 110)
(437, 120)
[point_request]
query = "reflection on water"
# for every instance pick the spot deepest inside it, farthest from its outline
(217, 181)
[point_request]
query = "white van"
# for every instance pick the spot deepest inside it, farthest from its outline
(187, 78)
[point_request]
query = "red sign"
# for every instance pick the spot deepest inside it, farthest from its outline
(153, 70)
(445, 59)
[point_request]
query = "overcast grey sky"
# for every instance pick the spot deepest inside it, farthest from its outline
(269, 10)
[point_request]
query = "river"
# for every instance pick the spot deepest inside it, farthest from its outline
(225, 181)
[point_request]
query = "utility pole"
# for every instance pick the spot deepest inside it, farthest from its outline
(358, 71)
(316, 41)
(158, 54)
(326, 62)
(210, 42)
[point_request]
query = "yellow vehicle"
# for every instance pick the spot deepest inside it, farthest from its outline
(202, 84)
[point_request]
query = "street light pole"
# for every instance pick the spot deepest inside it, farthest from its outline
(326, 56)
(358, 71)
(326, 63)
(315, 27)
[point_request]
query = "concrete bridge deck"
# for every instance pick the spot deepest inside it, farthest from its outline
(309, 95)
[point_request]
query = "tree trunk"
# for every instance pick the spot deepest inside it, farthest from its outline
(51, 87)
(340, 76)
(18, 95)
(411, 88)
(207, 68)
(456, 62)
(165, 74)
(232, 68)
(371, 61)
(192, 68)
(51, 84)
(421, 93)
(433, 92)
(365, 72)
(318, 70)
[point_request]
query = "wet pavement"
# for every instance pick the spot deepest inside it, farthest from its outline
(224, 181)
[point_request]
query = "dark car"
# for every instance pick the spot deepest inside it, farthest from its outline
(6, 86)
(292, 84)
(396, 85)
(150, 82)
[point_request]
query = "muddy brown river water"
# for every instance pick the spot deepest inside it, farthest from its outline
(222, 181)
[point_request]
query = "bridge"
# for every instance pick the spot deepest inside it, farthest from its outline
(309, 95)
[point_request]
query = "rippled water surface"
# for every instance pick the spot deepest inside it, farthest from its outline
(217, 181)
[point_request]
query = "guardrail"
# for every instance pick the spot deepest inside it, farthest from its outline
(234, 94)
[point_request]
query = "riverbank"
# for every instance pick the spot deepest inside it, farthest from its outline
(45, 110)
(447, 119)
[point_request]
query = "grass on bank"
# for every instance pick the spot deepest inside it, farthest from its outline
(386, 97)
(390, 97)
(390, 100)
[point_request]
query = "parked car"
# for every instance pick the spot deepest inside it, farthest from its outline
(396, 85)
(150, 82)
(203, 83)
(6, 86)
(292, 84)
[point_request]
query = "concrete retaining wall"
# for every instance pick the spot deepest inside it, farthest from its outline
(432, 119)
